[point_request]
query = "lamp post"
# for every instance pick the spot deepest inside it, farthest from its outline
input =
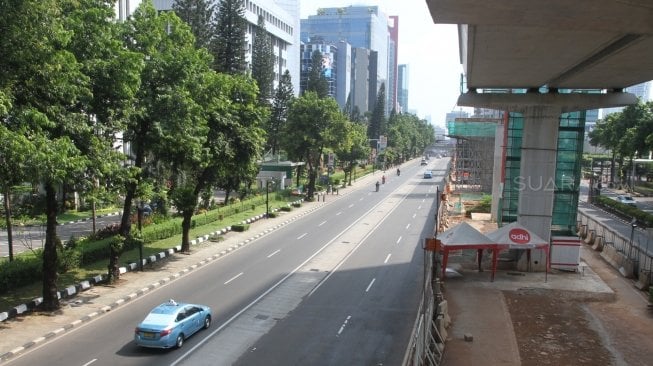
(633, 225)
(140, 233)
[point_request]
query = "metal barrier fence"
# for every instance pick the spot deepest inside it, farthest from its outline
(628, 253)
(426, 344)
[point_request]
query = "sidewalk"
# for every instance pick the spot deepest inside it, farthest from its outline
(24, 332)
(478, 308)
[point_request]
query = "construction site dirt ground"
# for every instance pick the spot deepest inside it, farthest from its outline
(592, 318)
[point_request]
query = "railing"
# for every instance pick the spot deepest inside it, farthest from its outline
(426, 344)
(628, 253)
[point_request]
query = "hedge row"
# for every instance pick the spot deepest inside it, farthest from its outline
(28, 269)
(628, 212)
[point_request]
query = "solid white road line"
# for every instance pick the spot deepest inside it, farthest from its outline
(233, 278)
(370, 285)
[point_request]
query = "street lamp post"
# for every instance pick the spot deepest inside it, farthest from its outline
(140, 232)
(633, 225)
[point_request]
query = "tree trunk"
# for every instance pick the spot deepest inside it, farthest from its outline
(113, 268)
(10, 240)
(94, 215)
(185, 231)
(312, 174)
(50, 298)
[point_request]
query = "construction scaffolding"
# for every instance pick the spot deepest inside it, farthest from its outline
(473, 159)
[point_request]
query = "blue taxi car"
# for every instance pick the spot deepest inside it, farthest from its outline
(170, 323)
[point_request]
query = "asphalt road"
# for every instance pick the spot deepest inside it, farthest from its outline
(33, 237)
(351, 271)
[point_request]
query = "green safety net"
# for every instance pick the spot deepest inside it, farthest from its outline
(471, 128)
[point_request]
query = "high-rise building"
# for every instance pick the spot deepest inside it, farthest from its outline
(124, 8)
(402, 88)
(336, 63)
(364, 27)
(393, 56)
(281, 22)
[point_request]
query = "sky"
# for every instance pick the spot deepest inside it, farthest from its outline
(430, 51)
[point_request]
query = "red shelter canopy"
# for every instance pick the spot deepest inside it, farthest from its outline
(465, 236)
(517, 236)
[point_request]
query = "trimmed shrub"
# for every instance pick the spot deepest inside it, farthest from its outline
(286, 208)
(240, 227)
(21, 271)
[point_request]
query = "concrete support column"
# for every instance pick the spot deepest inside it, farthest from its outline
(537, 177)
(498, 170)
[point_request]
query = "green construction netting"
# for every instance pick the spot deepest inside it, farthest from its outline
(471, 128)
(567, 179)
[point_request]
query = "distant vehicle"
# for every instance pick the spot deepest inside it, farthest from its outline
(627, 200)
(428, 174)
(423, 162)
(170, 323)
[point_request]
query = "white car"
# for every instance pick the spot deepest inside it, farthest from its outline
(627, 200)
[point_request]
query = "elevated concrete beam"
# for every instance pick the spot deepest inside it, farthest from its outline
(565, 102)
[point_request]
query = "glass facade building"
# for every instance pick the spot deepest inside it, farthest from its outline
(361, 27)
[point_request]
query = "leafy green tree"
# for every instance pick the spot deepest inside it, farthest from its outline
(229, 46)
(170, 64)
(199, 15)
(50, 91)
(316, 82)
(625, 134)
(353, 148)
(114, 74)
(15, 152)
(263, 62)
(313, 125)
(283, 96)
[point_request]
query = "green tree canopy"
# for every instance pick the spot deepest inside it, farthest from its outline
(313, 124)
(316, 82)
(199, 15)
(229, 45)
(263, 62)
(283, 96)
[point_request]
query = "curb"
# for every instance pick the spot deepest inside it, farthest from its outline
(72, 291)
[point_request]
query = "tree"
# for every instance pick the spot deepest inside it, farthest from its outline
(625, 133)
(313, 124)
(199, 15)
(15, 152)
(114, 74)
(377, 126)
(353, 148)
(49, 90)
(283, 97)
(263, 62)
(170, 64)
(316, 81)
(229, 45)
